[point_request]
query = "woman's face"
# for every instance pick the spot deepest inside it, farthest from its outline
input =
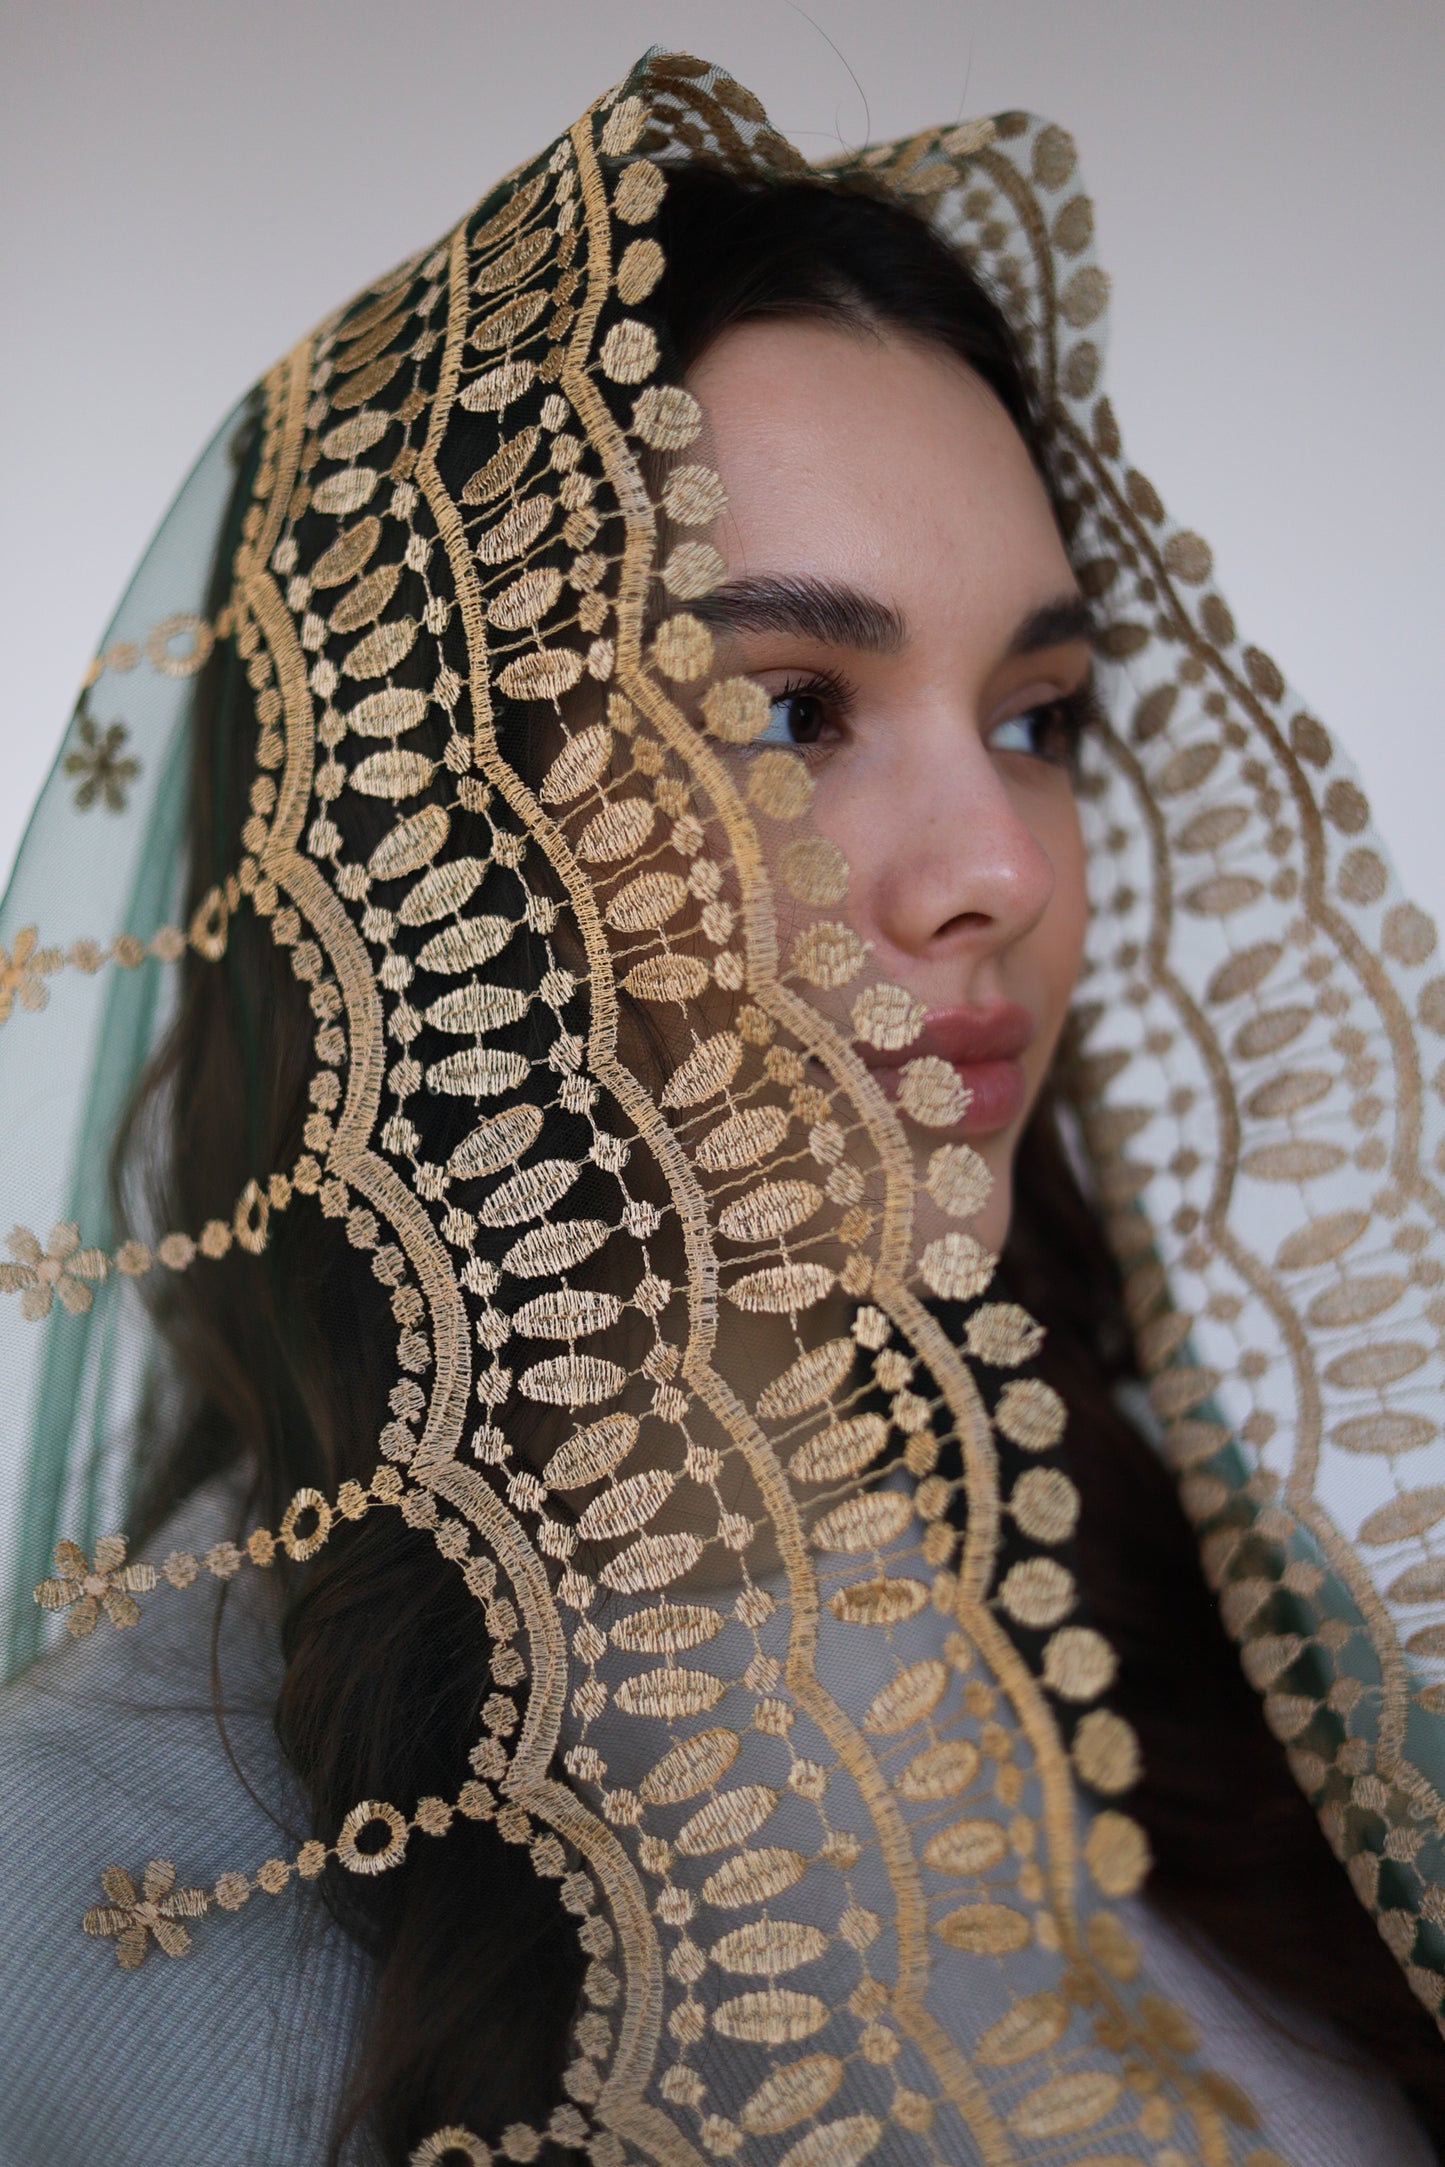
(897, 585)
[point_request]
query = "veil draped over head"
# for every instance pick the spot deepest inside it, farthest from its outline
(695, 1376)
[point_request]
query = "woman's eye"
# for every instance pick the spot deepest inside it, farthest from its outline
(1044, 732)
(795, 718)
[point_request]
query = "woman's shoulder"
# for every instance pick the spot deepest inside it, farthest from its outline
(156, 1744)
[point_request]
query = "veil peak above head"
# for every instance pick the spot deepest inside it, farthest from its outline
(409, 750)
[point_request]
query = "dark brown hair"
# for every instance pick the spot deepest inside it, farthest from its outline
(284, 1372)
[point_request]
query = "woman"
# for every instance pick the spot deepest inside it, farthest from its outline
(630, 837)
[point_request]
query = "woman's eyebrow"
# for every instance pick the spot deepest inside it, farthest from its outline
(1055, 624)
(818, 609)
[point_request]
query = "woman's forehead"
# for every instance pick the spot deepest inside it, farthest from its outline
(877, 462)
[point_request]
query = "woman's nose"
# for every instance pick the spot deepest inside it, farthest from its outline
(957, 865)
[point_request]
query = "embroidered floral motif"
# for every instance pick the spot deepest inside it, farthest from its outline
(156, 1913)
(104, 771)
(20, 978)
(60, 1268)
(82, 1590)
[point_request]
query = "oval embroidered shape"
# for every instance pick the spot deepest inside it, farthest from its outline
(908, 1698)
(1289, 1093)
(1038, 1592)
(382, 649)
(752, 1878)
(478, 1008)
(528, 1194)
(1389, 1435)
(828, 955)
(581, 760)
(865, 1522)
(1188, 768)
(1222, 896)
(651, 1562)
(589, 1455)
(878, 1602)
(690, 1767)
(1265, 1034)
(567, 1313)
(556, 1248)
(572, 1380)
(957, 1267)
(940, 1771)
(392, 774)
(627, 1506)
(807, 1382)
(350, 438)
(742, 1139)
(526, 602)
(647, 902)
(545, 674)
(618, 831)
(1066, 2105)
(1367, 1368)
(366, 601)
(1320, 1241)
(727, 1819)
(511, 214)
(835, 2144)
(1242, 973)
(515, 531)
(984, 1929)
(1300, 1159)
(1212, 829)
(347, 554)
(791, 2094)
(496, 388)
(766, 1948)
(666, 1628)
(411, 843)
(514, 264)
(667, 978)
(506, 324)
(1003, 1335)
(345, 492)
(1356, 1301)
(669, 1693)
(1030, 2027)
(1031, 1413)
(782, 1290)
(775, 2016)
(766, 1213)
(966, 1847)
(446, 888)
(844, 1448)
(466, 946)
(387, 713)
(496, 1142)
(708, 1069)
(1413, 1513)
(504, 467)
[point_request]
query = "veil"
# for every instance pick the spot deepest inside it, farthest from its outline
(712, 1401)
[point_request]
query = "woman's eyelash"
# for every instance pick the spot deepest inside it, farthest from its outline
(823, 685)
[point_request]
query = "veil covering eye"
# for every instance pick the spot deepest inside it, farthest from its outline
(430, 1028)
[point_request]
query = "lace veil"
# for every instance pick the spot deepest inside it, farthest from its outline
(549, 903)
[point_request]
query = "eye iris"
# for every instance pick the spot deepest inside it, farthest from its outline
(800, 715)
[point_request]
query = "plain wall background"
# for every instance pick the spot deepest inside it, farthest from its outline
(188, 185)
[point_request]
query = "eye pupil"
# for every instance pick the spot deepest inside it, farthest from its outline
(801, 716)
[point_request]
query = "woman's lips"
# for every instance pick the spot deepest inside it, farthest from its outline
(983, 1046)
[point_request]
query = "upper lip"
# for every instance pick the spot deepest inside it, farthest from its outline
(964, 1035)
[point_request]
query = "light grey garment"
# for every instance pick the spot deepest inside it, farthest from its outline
(110, 1753)
(234, 2055)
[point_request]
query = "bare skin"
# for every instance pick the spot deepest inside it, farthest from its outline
(931, 673)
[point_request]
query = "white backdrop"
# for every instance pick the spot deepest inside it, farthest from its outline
(190, 184)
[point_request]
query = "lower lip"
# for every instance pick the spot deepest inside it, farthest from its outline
(995, 1093)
